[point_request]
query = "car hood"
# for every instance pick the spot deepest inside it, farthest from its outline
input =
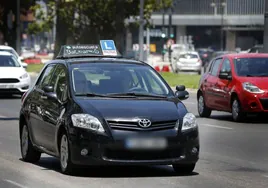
(155, 110)
(260, 82)
(11, 72)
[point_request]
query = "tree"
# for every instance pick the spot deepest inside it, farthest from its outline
(88, 21)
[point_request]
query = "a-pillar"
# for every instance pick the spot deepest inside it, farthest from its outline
(230, 40)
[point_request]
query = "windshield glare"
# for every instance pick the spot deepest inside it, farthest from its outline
(8, 61)
(251, 66)
(109, 78)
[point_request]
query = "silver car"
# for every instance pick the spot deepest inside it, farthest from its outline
(187, 61)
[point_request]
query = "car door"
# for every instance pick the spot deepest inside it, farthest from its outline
(223, 87)
(54, 105)
(35, 105)
(210, 82)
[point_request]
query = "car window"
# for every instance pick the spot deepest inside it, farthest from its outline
(253, 67)
(106, 78)
(215, 67)
(9, 61)
(60, 83)
(188, 56)
(46, 76)
(226, 66)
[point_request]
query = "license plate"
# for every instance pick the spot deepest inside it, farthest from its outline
(146, 143)
(6, 86)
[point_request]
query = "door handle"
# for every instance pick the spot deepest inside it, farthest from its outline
(43, 97)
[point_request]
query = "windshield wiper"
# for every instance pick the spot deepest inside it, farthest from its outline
(137, 95)
(90, 95)
(257, 75)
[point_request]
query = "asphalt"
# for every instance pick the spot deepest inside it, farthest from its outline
(232, 155)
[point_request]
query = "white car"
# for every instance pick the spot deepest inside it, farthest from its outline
(13, 77)
(187, 61)
(4, 48)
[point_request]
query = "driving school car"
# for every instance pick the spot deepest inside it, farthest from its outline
(90, 106)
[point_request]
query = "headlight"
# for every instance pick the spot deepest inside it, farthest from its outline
(189, 122)
(25, 75)
(87, 121)
(251, 88)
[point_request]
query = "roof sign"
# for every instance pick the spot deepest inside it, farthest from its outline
(108, 47)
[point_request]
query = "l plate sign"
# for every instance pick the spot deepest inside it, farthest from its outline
(108, 47)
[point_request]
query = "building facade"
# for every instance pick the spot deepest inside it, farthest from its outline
(241, 21)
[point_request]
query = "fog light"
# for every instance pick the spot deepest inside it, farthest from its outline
(182, 156)
(194, 150)
(84, 152)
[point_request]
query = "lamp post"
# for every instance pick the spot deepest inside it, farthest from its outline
(141, 33)
(222, 6)
(18, 27)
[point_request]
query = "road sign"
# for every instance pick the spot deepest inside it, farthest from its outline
(108, 47)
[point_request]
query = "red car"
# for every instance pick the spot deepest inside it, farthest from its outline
(236, 83)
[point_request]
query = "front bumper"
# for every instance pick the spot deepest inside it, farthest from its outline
(104, 150)
(254, 103)
(15, 88)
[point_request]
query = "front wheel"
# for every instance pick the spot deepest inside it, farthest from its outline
(237, 113)
(183, 168)
(28, 152)
(203, 110)
(66, 165)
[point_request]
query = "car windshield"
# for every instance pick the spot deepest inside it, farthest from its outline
(116, 78)
(8, 61)
(188, 56)
(251, 67)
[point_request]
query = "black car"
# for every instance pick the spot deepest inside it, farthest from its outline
(87, 108)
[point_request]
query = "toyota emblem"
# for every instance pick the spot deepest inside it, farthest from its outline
(144, 123)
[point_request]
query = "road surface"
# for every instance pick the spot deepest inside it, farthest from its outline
(232, 155)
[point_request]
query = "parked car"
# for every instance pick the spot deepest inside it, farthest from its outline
(13, 77)
(235, 83)
(187, 61)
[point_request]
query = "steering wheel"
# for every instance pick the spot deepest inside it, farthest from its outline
(137, 89)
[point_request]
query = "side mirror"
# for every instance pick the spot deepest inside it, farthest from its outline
(48, 89)
(24, 65)
(180, 88)
(182, 95)
(225, 75)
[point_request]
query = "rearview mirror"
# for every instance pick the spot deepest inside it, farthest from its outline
(48, 89)
(180, 88)
(225, 75)
(182, 95)
(24, 65)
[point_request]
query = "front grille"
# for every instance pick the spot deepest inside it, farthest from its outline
(142, 155)
(9, 80)
(7, 91)
(133, 125)
(264, 103)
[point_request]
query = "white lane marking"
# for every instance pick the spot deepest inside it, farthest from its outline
(216, 126)
(15, 183)
(186, 102)
(266, 176)
(2, 116)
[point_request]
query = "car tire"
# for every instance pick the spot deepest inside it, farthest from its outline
(28, 152)
(183, 168)
(66, 164)
(237, 114)
(203, 110)
(199, 72)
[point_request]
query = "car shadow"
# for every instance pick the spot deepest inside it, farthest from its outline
(51, 163)
(248, 120)
(8, 118)
(10, 97)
